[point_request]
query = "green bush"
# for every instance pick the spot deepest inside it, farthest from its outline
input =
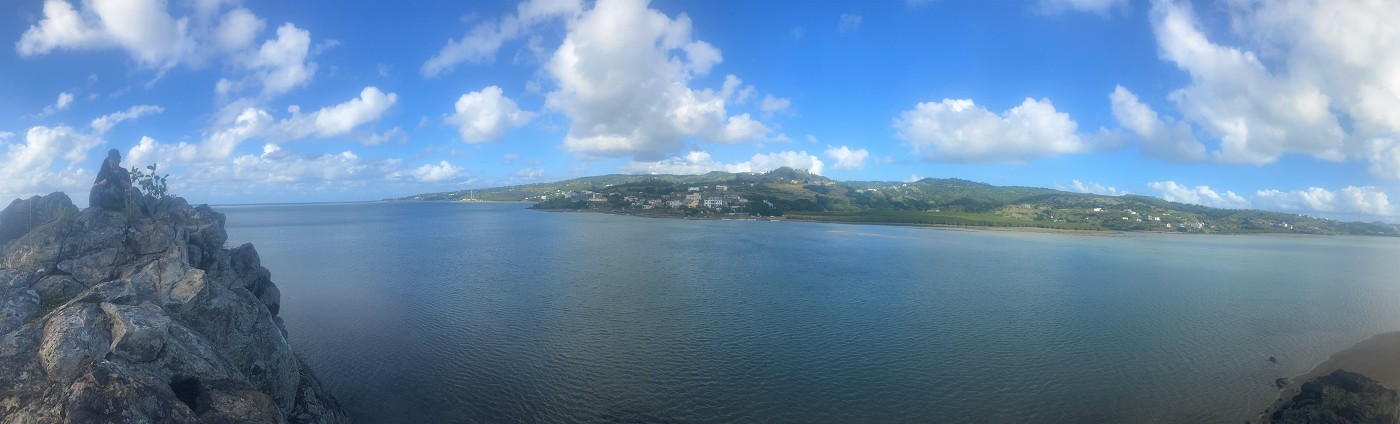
(150, 182)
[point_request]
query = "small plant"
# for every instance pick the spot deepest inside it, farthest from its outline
(101, 320)
(51, 301)
(150, 182)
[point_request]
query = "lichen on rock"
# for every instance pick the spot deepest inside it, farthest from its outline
(117, 317)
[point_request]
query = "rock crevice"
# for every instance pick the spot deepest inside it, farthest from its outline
(142, 316)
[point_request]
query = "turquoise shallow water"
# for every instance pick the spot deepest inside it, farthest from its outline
(440, 312)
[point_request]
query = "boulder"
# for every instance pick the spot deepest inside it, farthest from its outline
(142, 317)
(23, 215)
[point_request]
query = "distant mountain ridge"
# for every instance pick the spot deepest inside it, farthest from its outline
(797, 194)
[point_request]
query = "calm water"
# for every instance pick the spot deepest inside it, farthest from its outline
(439, 312)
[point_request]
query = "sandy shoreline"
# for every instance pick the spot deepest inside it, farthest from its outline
(1377, 357)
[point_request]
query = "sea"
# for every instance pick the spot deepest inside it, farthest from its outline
(436, 312)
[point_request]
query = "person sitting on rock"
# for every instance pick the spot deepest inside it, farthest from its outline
(113, 181)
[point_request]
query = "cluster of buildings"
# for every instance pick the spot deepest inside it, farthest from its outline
(716, 198)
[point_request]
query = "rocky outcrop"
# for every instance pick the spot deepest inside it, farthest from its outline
(142, 316)
(1339, 397)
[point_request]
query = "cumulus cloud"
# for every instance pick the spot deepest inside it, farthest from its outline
(280, 64)
(699, 162)
(961, 131)
(253, 123)
(1200, 195)
(1099, 7)
(1350, 199)
(106, 122)
(442, 171)
(1092, 187)
(480, 44)
(1257, 114)
(1169, 140)
(336, 120)
(31, 167)
(65, 99)
(486, 115)
(623, 74)
(846, 158)
(238, 30)
(142, 28)
(1305, 78)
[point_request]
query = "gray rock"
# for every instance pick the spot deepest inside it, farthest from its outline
(1339, 397)
(110, 317)
(18, 305)
(138, 332)
(23, 215)
(58, 287)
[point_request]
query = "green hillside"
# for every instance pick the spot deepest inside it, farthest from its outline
(796, 194)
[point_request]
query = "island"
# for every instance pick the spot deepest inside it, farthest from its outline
(791, 194)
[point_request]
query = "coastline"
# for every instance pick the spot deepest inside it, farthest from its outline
(1377, 357)
(1043, 230)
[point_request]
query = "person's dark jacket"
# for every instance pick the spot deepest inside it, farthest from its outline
(112, 195)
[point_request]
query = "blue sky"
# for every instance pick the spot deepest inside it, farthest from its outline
(1281, 105)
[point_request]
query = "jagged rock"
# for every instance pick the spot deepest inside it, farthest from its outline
(142, 317)
(1281, 382)
(1339, 397)
(23, 215)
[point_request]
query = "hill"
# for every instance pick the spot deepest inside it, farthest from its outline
(796, 194)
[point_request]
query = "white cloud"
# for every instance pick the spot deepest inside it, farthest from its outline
(623, 74)
(28, 168)
(142, 28)
(699, 162)
(1200, 195)
(280, 64)
(1350, 199)
(238, 30)
(1092, 187)
(106, 122)
(253, 123)
(771, 104)
(1305, 78)
(335, 120)
(65, 99)
(913, 178)
(486, 115)
(443, 171)
(1099, 7)
(848, 23)
(1168, 140)
(510, 158)
(961, 131)
(479, 45)
(846, 158)
(1384, 154)
(341, 118)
